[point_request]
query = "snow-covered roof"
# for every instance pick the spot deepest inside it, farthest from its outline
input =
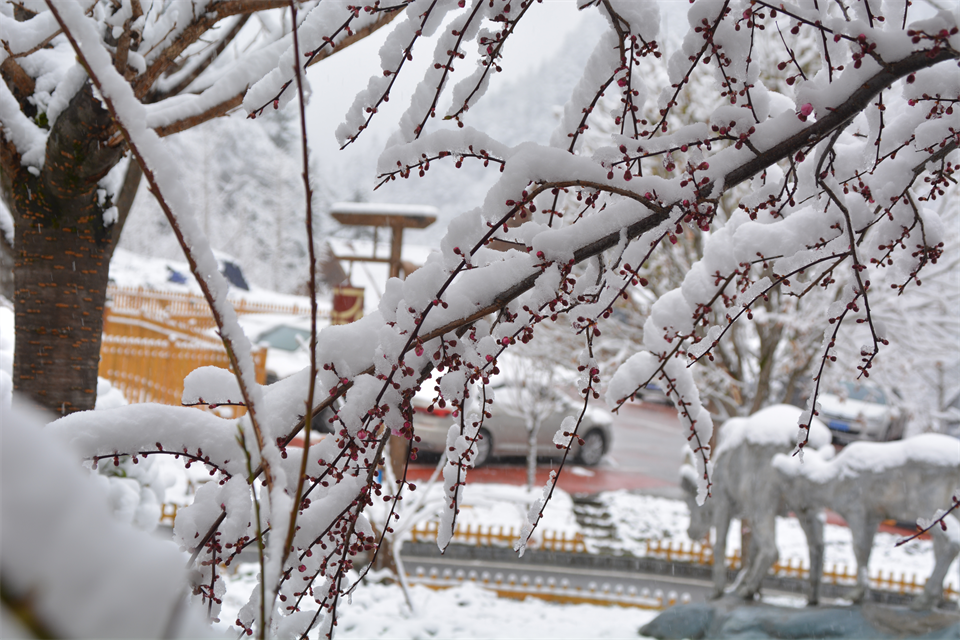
(129, 269)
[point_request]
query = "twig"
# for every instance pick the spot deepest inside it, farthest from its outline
(936, 522)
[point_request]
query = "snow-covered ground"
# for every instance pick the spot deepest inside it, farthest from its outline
(379, 610)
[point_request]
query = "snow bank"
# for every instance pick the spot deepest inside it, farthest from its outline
(380, 610)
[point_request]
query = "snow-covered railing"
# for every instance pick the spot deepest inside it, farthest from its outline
(694, 552)
(190, 307)
(673, 551)
(676, 551)
(550, 589)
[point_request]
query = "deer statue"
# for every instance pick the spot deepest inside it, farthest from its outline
(745, 485)
(868, 482)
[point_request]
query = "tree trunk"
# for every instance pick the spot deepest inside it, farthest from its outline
(770, 337)
(533, 429)
(125, 197)
(61, 258)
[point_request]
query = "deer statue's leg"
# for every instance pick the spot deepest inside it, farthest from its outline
(721, 523)
(863, 530)
(764, 533)
(946, 547)
(812, 526)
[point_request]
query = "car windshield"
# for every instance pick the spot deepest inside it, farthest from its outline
(284, 337)
(864, 393)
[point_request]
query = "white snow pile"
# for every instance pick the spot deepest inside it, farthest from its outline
(211, 385)
(134, 491)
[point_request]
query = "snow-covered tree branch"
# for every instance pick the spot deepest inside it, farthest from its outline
(841, 166)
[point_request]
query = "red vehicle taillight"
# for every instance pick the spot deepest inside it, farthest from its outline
(437, 411)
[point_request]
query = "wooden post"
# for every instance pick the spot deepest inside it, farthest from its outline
(396, 244)
(397, 217)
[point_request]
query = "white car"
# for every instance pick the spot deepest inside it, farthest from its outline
(504, 433)
(860, 411)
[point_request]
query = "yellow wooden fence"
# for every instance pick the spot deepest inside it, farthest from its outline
(153, 339)
(678, 551)
(478, 535)
(152, 370)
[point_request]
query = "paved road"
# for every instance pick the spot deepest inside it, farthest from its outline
(645, 456)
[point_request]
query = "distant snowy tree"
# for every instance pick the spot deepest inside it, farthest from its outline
(530, 393)
(245, 183)
(843, 182)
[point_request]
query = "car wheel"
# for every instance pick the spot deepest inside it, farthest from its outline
(482, 449)
(591, 451)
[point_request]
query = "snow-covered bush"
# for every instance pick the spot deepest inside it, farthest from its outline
(842, 169)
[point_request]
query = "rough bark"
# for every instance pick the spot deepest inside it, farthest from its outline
(60, 259)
